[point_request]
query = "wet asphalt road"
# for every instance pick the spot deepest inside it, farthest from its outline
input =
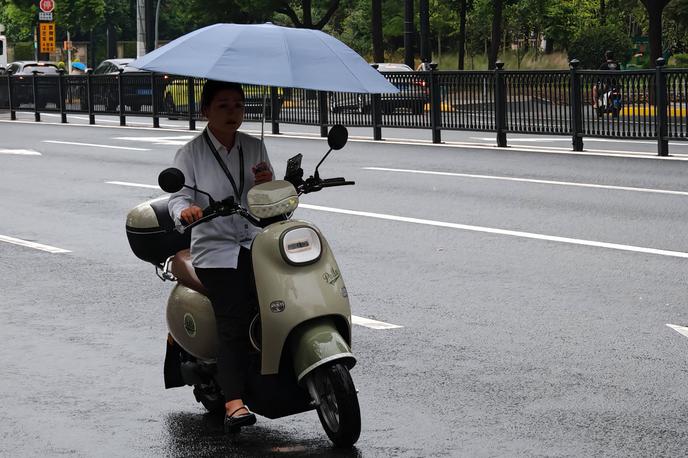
(514, 343)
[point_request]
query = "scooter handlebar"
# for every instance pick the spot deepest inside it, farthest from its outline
(225, 207)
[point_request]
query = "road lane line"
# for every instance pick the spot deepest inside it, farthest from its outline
(488, 230)
(95, 145)
(21, 152)
(135, 185)
(528, 180)
(491, 230)
(567, 139)
(34, 245)
(680, 329)
(114, 121)
(404, 142)
(373, 324)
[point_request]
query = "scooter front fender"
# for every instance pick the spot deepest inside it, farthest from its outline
(318, 342)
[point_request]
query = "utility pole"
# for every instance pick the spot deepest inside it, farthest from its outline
(140, 28)
(409, 32)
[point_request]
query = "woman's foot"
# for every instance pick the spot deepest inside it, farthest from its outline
(237, 415)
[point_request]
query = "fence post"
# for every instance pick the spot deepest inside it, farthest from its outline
(576, 106)
(322, 110)
(661, 118)
(13, 113)
(275, 109)
(376, 112)
(155, 97)
(34, 85)
(89, 96)
(61, 93)
(120, 97)
(500, 105)
(435, 105)
(192, 103)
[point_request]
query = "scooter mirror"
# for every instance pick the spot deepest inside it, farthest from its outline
(337, 137)
(171, 180)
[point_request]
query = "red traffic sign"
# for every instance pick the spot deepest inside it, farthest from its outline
(47, 6)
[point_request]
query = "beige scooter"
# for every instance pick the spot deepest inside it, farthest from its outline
(302, 329)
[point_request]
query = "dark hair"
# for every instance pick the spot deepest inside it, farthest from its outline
(609, 55)
(212, 87)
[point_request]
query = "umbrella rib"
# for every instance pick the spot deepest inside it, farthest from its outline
(286, 51)
(341, 60)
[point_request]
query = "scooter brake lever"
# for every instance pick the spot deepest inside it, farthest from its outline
(165, 274)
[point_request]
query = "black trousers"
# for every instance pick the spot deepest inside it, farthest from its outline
(232, 294)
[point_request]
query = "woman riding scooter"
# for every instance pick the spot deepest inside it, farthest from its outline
(223, 161)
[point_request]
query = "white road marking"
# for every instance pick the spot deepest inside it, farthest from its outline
(22, 152)
(95, 145)
(528, 180)
(173, 141)
(488, 230)
(680, 329)
(115, 121)
(373, 324)
(135, 185)
(34, 245)
(568, 139)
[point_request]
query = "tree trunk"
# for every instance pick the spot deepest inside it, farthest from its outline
(654, 12)
(496, 34)
(307, 7)
(549, 45)
(425, 54)
(463, 5)
(307, 14)
(111, 51)
(378, 44)
(409, 32)
(603, 13)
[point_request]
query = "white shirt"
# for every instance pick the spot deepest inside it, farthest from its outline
(216, 243)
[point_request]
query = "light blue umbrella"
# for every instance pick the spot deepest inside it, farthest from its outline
(266, 54)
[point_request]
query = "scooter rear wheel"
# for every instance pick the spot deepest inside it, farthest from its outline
(338, 411)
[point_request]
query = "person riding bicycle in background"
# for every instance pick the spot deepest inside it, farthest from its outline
(604, 84)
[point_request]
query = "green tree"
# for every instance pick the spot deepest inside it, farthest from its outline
(19, 19)
(591, 43)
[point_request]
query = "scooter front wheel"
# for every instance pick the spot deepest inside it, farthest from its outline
(338, 411)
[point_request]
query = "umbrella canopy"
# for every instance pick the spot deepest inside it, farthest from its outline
(266, 54)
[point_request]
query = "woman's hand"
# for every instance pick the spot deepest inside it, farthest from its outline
(262, 173)
(191, 214)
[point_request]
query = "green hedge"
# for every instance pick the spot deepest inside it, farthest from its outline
(679, 60)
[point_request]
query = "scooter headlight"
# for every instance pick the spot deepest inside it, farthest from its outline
(301, 245)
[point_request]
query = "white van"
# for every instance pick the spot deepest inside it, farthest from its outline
(3, 51)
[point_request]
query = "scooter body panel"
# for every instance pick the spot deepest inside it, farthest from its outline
(318, 342)
(191, 321)
(290, 295)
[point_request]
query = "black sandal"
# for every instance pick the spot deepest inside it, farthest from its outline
(234, 423)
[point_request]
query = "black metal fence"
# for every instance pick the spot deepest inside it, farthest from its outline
(643, 104)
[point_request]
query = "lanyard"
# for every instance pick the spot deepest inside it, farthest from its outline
(237, 192)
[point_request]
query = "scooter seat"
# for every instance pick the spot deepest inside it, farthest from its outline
(185, 272)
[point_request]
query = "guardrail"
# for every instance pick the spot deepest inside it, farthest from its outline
(650, 104)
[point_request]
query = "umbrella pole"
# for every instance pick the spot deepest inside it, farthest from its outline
(262, 119)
